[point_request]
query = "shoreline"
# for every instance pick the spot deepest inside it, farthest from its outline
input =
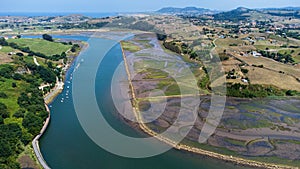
(35, 142)
(222, 157)
(48, 98)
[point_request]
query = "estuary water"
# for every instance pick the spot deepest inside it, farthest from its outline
(65, 145)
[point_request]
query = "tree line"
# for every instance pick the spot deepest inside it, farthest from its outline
(14, 136)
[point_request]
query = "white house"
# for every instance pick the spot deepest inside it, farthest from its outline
(245, 80)
(256, 54)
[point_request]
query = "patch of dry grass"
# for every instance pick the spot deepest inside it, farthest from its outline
(271, 64)
(4, 58)
(268, 77)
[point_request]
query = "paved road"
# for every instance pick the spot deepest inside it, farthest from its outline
(35, 143)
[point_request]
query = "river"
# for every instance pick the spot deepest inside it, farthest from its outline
(66, 146)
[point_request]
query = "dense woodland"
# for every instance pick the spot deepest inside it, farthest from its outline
(14, 136)
(19, 92)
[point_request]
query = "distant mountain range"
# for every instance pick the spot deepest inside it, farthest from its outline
(172, 10)
(237, 14)
(187, 10)
(242, 13)
(285, 8)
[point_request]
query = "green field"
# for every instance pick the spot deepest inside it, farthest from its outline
(12, 100)
(129, 46)
(12, 93)
(146, 43)
(7, 49)
(42, 46)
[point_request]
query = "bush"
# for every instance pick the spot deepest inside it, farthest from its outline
(20, 113)
(161, 37)
(10, 135)
(46, 74)
(292, 93)
(75, 47)
(252, 91)
(26, 138)
(13, 84)
(3, 111)
(245, 71)
(17, 76)
(3, 95)
(47, 37)
(223, 56)
(3, 42)
(32, 123)
(172, 46)
(6, 71)
(19, 54)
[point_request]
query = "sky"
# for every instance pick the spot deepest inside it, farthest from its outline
(132, 5)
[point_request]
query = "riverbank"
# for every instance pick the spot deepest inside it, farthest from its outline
(48, 98)
(35, 142)
(147, 130)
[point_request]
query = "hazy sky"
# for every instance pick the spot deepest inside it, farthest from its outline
(132, 5)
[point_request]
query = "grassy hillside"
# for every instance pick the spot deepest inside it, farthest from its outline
(42, 46)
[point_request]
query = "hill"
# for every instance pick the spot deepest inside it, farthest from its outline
(243, 13)
(186, 10)
(42, 46)
(284, 9)
(235, 15)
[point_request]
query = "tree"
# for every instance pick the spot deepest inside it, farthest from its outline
(46, 74)
(13, 84)
(63, 55)
(75, 47)
(50, 65)
(6, 71)
(3, 111)
(20, 54)
(47, 37)
(161, 37)
(20, 113)
(26, 138)
(245, 71)
(17, 76)
(32, 123)
(3, 95)
(3, 42)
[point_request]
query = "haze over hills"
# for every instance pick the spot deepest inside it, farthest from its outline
(205, 10)
(186, 10)
(242, 13)
(237, 14)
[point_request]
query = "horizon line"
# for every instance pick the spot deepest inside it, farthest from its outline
(145, 10)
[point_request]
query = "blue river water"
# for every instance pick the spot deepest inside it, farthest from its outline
(65, 145)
